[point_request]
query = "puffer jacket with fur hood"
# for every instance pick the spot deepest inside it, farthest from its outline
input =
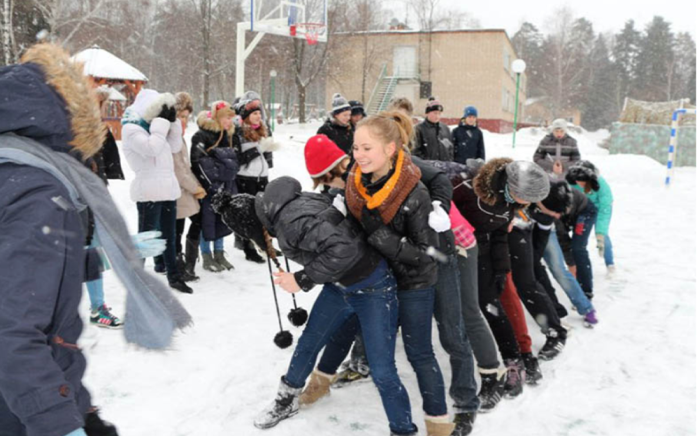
(47, 99)
(149, 143)
(479, 196)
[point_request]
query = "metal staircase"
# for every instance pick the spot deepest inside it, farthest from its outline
(382, 93)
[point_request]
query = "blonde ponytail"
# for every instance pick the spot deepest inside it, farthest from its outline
(390, 126)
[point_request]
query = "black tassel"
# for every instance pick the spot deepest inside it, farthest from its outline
(298, 316)
(283, 339)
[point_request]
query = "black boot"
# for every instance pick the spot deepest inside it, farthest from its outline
(554, 344)
(491, 388)
(533, 374)
(515, 377)
(191, 254)
(181, 286)
(464, 423)
(182, 267)
(251, 253)
(95, 426)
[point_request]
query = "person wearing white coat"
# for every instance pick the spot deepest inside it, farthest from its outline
(150, 136)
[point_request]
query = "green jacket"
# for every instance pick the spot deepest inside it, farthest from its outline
(603, 199)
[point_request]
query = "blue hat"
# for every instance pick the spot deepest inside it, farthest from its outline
(470, 110)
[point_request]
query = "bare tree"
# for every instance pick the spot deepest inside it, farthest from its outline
(65, 18)
(7, 31)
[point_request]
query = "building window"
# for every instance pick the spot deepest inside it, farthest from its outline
(505, 101)
(506, 60)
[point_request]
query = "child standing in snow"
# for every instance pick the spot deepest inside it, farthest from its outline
(338, 127)
(468, 139)
(255, 157)
(557, 151)
(433, 138)
(214, 162)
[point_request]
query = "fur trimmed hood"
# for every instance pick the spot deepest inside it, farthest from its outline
(490, 182)
(47, 98)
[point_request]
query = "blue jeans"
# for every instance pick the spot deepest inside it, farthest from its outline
(554, 258)
(162, 216)
(205, 246)
(579, 244)
(608, 253)
(453, 338)
(96, 292)
(416, 319)
(374, 304)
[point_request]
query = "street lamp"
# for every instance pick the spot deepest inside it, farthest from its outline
(518, 68)
(273, 74)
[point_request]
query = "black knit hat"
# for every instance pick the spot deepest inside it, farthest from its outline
(339, 105)
(583, 171)
(245, 108)
(433, 105)
(238, 213)
(357, 108)
(560, 197)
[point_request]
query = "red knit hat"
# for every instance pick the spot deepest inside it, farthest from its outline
(322, 155)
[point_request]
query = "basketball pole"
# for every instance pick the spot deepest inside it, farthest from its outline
(242, 53)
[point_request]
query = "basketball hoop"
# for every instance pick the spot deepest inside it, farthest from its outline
(311, 31)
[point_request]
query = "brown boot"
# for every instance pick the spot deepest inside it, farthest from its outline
(439, 426)
(318, 387)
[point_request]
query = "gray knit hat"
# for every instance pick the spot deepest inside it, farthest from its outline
(340, 104)
(560, 123)
(527, 181)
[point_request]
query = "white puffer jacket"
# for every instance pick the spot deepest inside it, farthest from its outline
(150, 155)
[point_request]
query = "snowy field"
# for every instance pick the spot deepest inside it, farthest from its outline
(631, 375)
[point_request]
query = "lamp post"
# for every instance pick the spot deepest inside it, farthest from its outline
(273, 74)
(518, 67)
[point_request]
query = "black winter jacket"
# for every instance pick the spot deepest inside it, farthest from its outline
(490, 219)
(343, 136)
(433, 142)
(404, 242)
(313, 233)
(468, 143)
(440, 189)
(109, 165)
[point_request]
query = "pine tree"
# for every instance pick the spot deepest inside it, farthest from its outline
(655, 66)
(599, 108)
(683, 65)
(625, 53)
(529, 44)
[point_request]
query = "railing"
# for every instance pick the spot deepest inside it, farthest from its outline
(388, 94)
(382, 75)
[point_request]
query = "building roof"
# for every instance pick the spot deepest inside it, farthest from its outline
(102, 64)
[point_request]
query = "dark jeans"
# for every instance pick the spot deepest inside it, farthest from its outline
(478, 331)
(531, 292)
(453, 338)
(162, 216)
(374, 304)
(180, 227)
(491, 307)
(416, 320)
(579, 242)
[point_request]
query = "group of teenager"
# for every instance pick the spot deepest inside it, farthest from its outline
(411, 223)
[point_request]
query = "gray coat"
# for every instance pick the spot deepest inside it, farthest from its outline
(552, 149)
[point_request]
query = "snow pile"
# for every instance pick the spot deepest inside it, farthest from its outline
(625, 377)
(103, 64)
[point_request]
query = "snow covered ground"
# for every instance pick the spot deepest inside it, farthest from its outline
(631, 375)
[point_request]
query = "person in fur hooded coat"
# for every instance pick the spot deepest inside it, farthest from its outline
(215, 163)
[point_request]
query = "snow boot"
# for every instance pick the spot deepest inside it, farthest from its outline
(286, 405)
(181, 286)
(439, 425)
(191, 255)
(187, 276)
(590, 319)
(318, 387)
(95, 426)
(515, 376)
(221, 260)
(533, 374)
(491, 389)
(209, 264)
(102, 317)
(554, 344)
(355, 371)
(464, 423)
(251, 254)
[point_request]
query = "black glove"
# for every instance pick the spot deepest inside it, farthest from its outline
(95, 426)
(499, 283)
(168, 113)
(371, 220)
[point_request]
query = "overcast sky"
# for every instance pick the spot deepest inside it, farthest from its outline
(606, 15)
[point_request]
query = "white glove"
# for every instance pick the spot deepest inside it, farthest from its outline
(438, 219)
(269, 144)
(339, 203)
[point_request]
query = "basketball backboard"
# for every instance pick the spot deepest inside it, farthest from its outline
(303, 19)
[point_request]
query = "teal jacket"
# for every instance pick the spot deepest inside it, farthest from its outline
(603, 199)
